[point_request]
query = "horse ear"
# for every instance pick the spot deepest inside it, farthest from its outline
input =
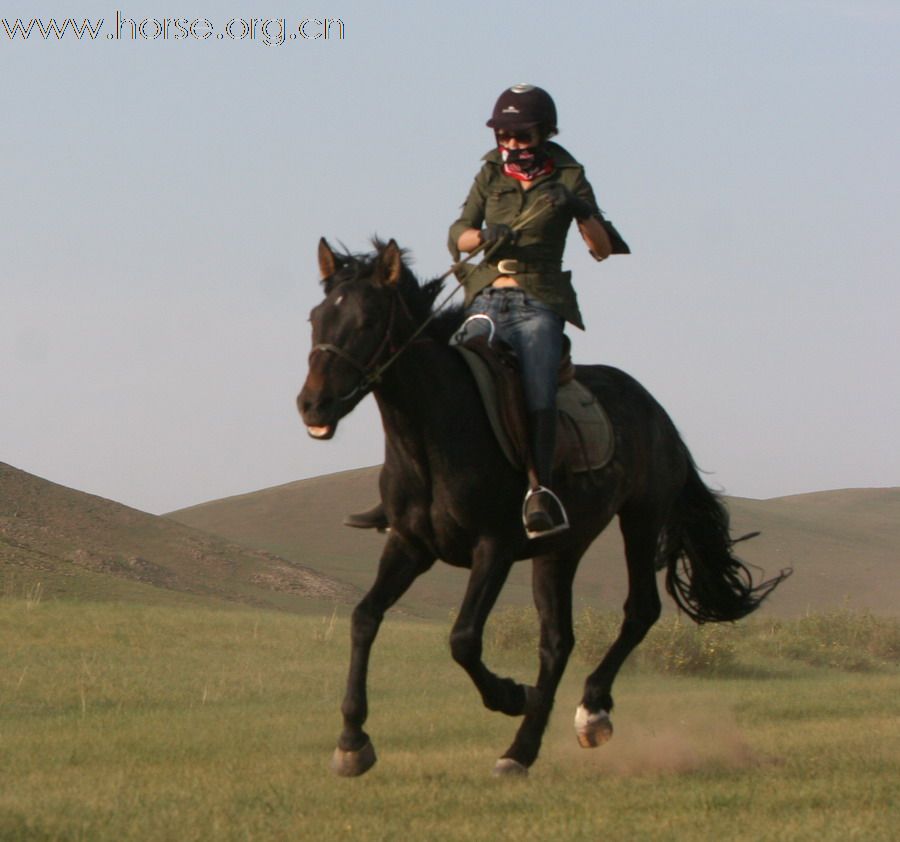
(328, 261)
(390, 264)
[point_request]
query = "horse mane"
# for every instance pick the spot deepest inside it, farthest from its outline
(446, 323)
(419, 297)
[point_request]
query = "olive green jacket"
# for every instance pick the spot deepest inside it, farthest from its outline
(499, 198)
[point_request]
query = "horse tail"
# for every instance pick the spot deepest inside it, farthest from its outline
(703, 576)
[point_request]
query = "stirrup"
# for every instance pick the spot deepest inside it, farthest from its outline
(559, 527)
(461, 335)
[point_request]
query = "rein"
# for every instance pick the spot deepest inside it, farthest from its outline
(370, 371)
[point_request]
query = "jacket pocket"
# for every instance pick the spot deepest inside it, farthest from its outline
(502, 205)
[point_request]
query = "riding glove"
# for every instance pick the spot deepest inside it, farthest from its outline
(495, 232)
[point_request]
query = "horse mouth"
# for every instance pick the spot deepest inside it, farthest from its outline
(322, 433)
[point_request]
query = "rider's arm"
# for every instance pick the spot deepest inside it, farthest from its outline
(469, 239)
(465, 233)
(591, 229)
(595, 237)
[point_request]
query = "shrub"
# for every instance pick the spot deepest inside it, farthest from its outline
(840, 638)
(677, 645)
(849, 640)
(513, 629)
(595, 631)
(674, 645)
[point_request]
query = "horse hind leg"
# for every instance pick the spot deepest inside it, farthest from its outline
(641, 532)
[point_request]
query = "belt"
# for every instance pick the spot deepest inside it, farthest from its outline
(513, 266)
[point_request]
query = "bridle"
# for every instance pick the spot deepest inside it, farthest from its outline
(371, 372)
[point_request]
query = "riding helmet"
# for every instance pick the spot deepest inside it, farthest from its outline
(522, 107)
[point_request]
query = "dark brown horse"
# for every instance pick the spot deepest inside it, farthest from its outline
(450, 494)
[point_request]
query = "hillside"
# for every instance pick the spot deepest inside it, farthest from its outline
(285, 547)
(302, 520)
(58, 542)
(844, 545)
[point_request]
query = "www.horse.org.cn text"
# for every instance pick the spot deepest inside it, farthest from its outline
(267, 31)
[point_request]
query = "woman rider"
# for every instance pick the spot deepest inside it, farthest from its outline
(521, 287)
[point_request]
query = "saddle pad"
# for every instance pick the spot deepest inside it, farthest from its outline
(584, 438)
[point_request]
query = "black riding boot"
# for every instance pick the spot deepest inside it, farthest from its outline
(542, 511)
(373, 518)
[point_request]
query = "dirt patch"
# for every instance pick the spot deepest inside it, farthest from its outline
(286, 578)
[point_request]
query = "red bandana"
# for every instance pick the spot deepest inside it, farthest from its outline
(526, 164)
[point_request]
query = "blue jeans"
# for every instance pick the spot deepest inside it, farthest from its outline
(534, 331)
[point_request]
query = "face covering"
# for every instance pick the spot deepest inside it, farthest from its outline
(526, 164)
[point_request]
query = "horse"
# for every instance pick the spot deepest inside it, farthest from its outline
(450, 494)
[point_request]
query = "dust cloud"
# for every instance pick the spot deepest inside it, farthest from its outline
(663, 738)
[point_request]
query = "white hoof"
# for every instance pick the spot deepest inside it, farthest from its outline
(352, 764)
(592, 729)
(506, 767)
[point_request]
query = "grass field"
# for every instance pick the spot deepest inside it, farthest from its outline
(185, 723)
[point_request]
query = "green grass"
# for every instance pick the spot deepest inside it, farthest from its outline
(183, 723)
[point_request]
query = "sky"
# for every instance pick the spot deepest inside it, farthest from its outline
(162, 200)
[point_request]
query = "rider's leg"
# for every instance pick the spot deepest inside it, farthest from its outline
(536, 333)
(542, 511)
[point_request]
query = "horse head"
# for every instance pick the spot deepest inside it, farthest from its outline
(352, 332)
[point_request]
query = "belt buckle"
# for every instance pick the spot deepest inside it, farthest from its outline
(508, 266)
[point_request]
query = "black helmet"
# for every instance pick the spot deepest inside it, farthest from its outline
(522, 107)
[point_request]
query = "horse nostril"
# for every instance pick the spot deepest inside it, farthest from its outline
(312, 404)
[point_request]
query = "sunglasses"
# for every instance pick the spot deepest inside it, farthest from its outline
(521, 136)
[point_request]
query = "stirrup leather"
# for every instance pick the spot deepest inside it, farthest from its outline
(560, 527)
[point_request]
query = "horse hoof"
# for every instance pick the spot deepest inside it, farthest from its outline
(352, 764)
(592, 729)
(506, 767)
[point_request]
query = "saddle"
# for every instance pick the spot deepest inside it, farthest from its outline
(584, 436)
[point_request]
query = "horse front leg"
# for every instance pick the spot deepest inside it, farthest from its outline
(489, 571)
(399, 567)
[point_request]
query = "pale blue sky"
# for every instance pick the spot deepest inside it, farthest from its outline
(162, 202)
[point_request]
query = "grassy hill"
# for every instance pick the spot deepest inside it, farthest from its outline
(302, 520)
(55, 541)
(285, 548)
(844, 545)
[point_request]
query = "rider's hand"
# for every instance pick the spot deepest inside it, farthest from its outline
(561, 197)
(495, 232)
